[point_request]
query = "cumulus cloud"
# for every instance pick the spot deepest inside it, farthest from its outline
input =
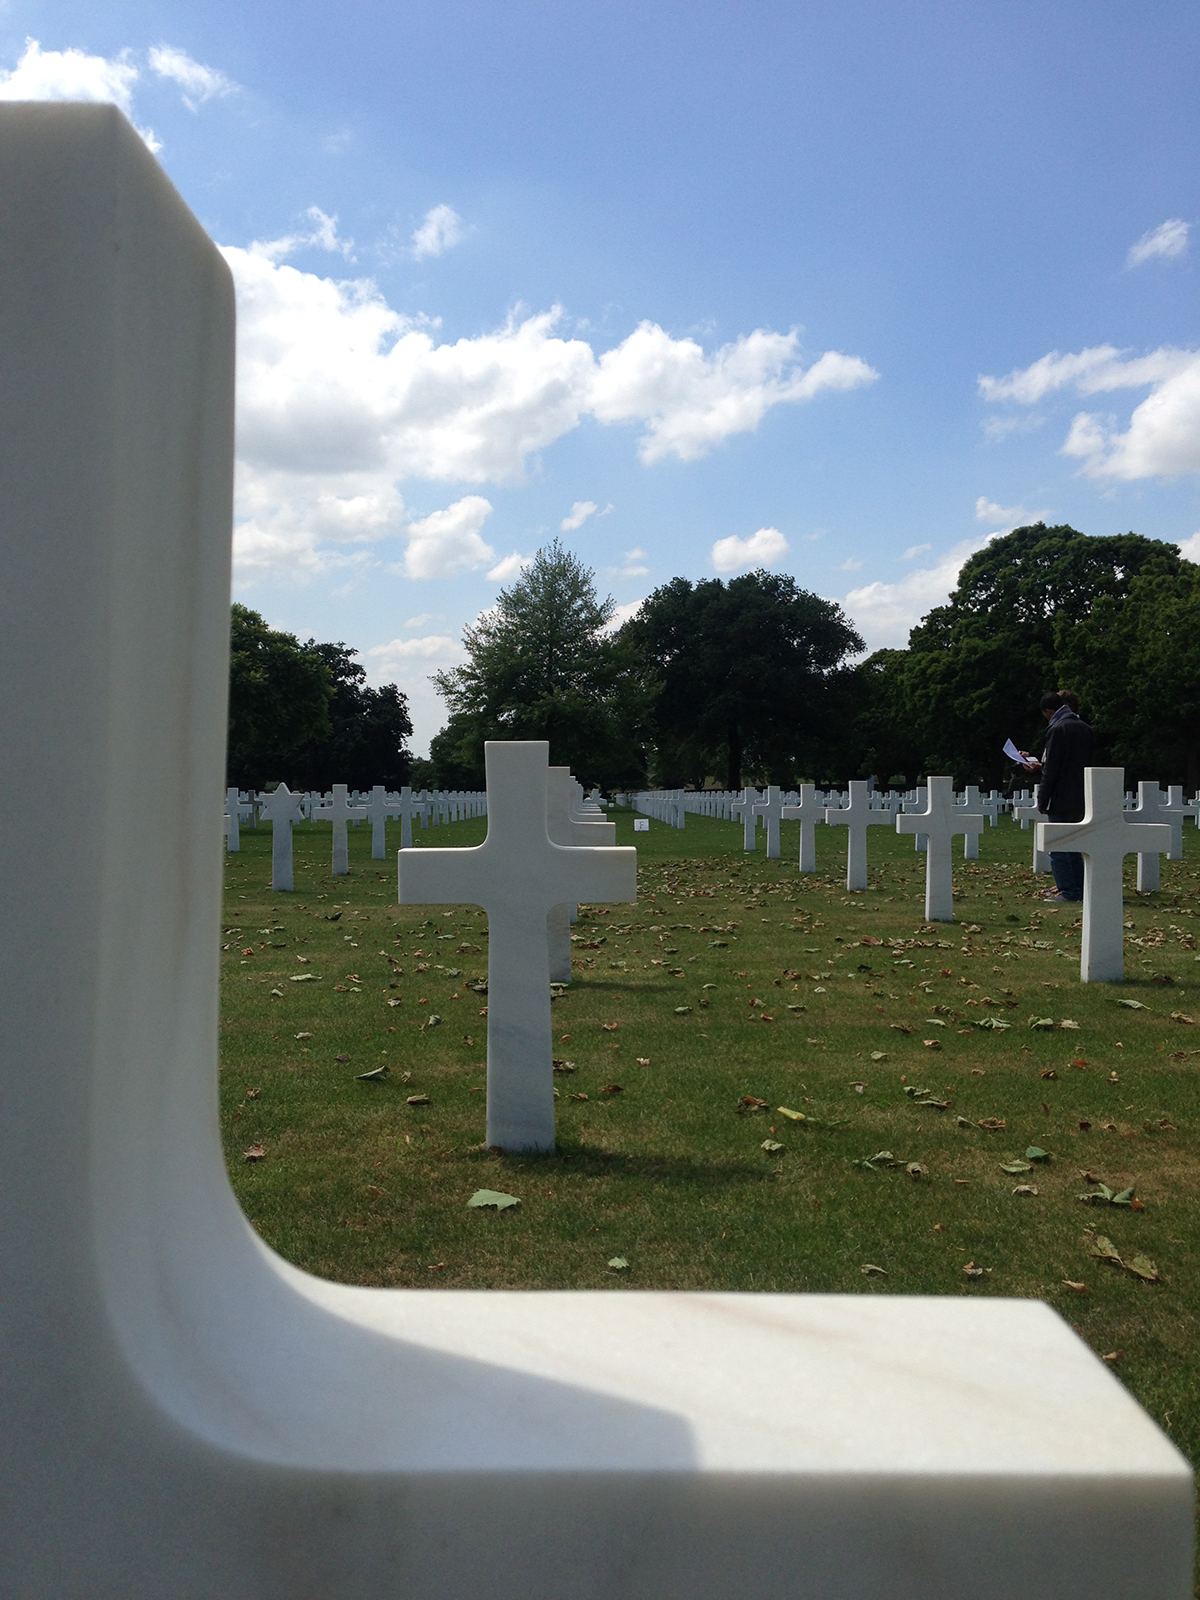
(109, 80)
(75, 75)
(510, 567)
(199, 83)
(341, 398)
(915, 550)
(690, 402)
(1005, 517)
(621, 615)
(580, 512)
(447, 542)
(761, 549)
(441, 230)
(409, 663)
(885, 612)
(632, 567)
(1163, 243)
(1189, 549)
(851, 564)
(1163, 436)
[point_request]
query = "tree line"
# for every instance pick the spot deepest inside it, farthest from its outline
(756, 680)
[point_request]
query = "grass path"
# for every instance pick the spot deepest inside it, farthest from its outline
(735, 981)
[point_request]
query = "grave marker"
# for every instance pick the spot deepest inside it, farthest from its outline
(518, 875)
(807, 811)
(282, 810)
(744, 808)
(938, 824)
(856, 817)
(1104, 838)
(339, 812)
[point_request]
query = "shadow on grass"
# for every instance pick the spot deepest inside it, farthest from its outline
(595, 1162)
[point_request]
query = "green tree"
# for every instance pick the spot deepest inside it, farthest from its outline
(976, 667)
(279, 697)
(540, 666)
(1135, 663)
(743, 675)
(368, 729)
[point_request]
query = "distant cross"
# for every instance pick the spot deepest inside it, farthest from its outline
(1104, 837)
(770, 809)
(745, 807)
(282, 808)
(856, 817)
(1025, 815)
(972, 801)
(379, 808)
(916, 806)
(1151, 807)
(939, 822)
(807, 811)
(339, 813)
(235, 809)
(518, 874)
(1174, 814)
(564, 828)
(408, 807)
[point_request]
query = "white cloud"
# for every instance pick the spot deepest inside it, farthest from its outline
(510, 567)
(691, 402)
(198, 83)
(580, 512)
(761, 549)
(441, 230)
(998, 428)
(73, 75)
(341, 398)
(1007, 517)
(851, 564)
(621, 615)
(885, 612)
(1163, 437)
(419, 622)
(915, 550)
(447, 542)
(323, 235)
(1165, 242)
(1189, 548)
(632, 567)
(408, 663)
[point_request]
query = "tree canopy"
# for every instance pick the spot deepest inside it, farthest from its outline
(303, 714)
(541, 666)
(740, 674)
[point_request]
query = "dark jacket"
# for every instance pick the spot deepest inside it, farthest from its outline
(1068, 749)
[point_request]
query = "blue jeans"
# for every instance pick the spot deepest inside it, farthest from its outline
(1067, 867)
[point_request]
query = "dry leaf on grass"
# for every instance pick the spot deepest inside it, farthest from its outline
(254, 1153)
(494, 1198)
(870, 1270)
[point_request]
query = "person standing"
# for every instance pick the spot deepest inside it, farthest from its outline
(1068, 750)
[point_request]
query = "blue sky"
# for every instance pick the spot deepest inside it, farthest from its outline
(735, 277)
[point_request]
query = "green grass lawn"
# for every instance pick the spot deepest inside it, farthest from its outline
(734, 980)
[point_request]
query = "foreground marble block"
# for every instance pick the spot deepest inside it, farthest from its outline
(184, 1416)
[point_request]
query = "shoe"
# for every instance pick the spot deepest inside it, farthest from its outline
(1058, 899)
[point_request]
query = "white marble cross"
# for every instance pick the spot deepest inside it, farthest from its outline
(1151, 807)
(408, 807)
(1175, 813)
(939, 822)
(915, 807)
(518, 874)
(339, 812)
(235, 809)
(745, 808)
(972, 801)
(770, 809)
(1104, 838)
(807, 811)
(856, 817)
(1025, 815)
(379, 808)
(564, 827)
(282, 808)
